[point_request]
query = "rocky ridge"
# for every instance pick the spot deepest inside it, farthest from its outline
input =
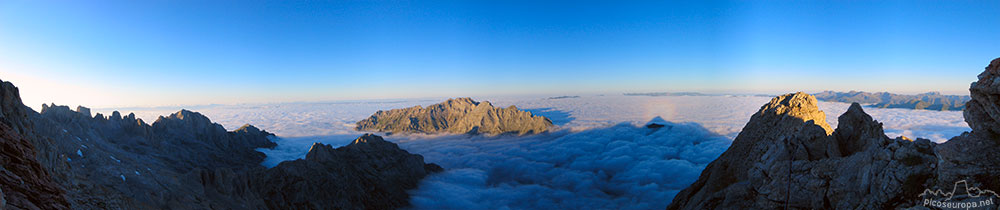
(68, 159)
(369, 173)
(786, 157)
(459, 115)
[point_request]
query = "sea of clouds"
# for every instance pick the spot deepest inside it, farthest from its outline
(600, 156)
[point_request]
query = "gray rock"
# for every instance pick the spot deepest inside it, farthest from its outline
(66, 159)
(369, 173)
(460, 115)
(786, 156)
(781, 160)
(25, 183)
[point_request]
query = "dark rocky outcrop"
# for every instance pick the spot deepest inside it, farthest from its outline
(929, 101)
(60, 158)
(786, 157)
(25, 183)
(369, 173)
(460, 115)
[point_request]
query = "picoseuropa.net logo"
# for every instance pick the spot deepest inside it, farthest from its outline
(961, 196)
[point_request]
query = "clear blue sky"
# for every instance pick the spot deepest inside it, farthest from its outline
(142, 53)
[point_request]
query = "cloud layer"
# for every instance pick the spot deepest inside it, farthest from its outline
(600, 157)
(622, 166)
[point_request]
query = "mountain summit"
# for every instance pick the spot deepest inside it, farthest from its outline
(786, 157)
(459, 115)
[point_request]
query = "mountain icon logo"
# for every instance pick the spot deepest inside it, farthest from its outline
(961, 196)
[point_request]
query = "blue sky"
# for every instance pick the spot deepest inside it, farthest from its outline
(148, 53)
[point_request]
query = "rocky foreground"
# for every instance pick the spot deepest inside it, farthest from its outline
(67, 159)
(788, 157)
(459, 115)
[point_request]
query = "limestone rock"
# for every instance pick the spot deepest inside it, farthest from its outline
(786, 156)
(369, 173)
(66, 159)
(983, 111)
(972, 156)
(460, 115)
(767, 167)
(25, 184)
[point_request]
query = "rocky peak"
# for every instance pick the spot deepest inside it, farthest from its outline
(188, 115)
(10, 102)
(367, 143)
(115, 115)
(187, 120)
(247, 128)
(464, 101)
(369, 173)
(64, 112)
(786, 157)
(320, 152)
(83, 110)
(369, 140)
(764, 168)
(798, 107)
(856, 130)
(982, 113)
(459, 115)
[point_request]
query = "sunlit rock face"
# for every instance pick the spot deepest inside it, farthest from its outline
(459, 115)
(787, 155)
(786, 160)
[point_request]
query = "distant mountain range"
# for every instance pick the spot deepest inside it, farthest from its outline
(668, 94)
(929, 101)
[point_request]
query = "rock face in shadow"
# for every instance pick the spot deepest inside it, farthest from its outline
(973, 155)
(787, 156)
(460, 115)
(68, 159)
(369, 173)
(24, 184)
(785, 160)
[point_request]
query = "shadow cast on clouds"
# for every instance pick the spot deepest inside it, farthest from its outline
(558, 117)
(624, 165)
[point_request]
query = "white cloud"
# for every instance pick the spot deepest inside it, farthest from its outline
(598, 158)
(622, 166)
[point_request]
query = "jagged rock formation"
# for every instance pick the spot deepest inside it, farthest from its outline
(121, 162)
(972, 156)
(369, 173)
(786, 157)
(26, 183)
(65, 159)
(929, 101)
(460, 115)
